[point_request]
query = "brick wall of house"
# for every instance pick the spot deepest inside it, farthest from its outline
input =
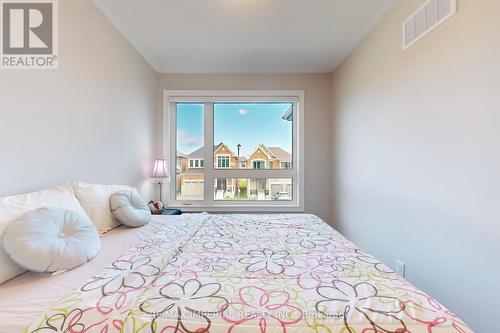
(224, 151)
(194, 176)
(258, 155)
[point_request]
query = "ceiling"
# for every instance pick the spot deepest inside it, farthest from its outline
(244, 36)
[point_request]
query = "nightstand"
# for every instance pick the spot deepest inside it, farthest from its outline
(172, 212)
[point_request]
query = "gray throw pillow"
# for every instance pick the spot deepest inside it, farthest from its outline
(130, 208)
(47, 240)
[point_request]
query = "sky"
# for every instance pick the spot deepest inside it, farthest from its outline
(246, 124)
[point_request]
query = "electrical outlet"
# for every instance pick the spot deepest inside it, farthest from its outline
(400, 268)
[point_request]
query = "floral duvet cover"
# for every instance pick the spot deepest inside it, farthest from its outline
(247, 274)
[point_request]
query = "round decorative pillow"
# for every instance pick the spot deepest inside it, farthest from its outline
(130, 208)
(47, 240)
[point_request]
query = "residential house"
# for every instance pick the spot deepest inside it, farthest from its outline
(264, 157)
(242, 162)
(190, 178)
(181, 162)
(224, 158)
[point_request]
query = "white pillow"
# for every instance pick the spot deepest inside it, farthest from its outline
(94, 199)
(130, 208)
(12, 207)
(48, 240)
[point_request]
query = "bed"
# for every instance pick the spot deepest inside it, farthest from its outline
(224, 273)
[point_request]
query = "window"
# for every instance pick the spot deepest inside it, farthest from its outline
(223, 161)
(189, 139)
(196, 163)
(252, 142)
(259, 164)
(251, 189)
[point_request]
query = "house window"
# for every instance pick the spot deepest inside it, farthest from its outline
(195, 163)
(259, 164)
(263, 128)
(222, 161)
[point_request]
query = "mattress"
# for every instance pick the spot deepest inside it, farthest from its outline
(29, 295)
(244, 274)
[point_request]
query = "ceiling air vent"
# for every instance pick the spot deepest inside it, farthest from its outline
(428, 17)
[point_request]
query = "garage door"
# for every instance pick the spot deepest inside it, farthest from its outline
(192, 190)
(276, 188)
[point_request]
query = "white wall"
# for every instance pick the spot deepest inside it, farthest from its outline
(317, 121)
(417, 158)
(92, 119)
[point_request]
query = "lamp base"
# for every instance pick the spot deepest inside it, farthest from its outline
(161, 190)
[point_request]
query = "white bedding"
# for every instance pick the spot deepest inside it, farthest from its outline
(29, 295)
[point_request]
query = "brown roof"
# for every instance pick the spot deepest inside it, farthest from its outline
(266, 150)
(280, 154)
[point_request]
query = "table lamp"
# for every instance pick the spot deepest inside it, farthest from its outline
(160, 172)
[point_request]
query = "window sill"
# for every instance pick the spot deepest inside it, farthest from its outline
(292, 208)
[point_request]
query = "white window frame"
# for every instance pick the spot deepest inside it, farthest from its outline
(193, 161)
(258, 160)
(296, 97)
(224, 156)
(285, 163)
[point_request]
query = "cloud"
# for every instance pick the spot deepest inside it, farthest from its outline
(187, 139)
(243, 112)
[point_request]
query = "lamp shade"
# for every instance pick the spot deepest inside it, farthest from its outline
(160, 169)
